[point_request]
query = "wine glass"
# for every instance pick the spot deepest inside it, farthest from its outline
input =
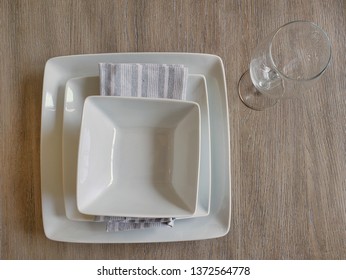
(285, 62)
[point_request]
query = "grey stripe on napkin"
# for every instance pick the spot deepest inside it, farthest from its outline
(141, 80)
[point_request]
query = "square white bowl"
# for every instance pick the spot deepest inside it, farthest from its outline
(138, 157)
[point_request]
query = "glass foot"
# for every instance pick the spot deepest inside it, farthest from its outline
(251, 97)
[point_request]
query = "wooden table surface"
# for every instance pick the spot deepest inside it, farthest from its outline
(288, 162)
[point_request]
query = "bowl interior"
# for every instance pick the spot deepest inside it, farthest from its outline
(138, 157)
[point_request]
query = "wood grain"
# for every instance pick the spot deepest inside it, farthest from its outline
(288, 162)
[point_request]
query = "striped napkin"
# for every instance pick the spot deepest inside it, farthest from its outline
(130, 223)
(143, 80)
(148, 81)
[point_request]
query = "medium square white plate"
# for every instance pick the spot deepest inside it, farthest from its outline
(57, 226)
(77, 90)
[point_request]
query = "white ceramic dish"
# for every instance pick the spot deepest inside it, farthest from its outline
(77, 90)
(57, 226)
(138, 157)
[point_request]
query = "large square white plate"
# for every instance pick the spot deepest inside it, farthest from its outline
(76, 91)
(57, 226)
